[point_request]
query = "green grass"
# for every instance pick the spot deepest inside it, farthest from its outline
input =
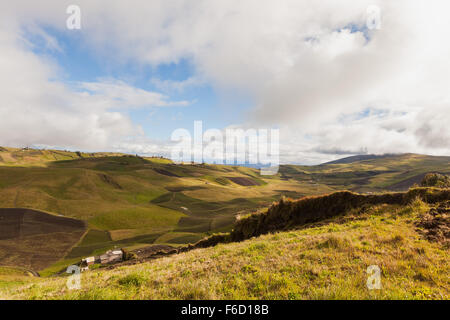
(142, 219)
(95, 236)
(13, 271)
(179, 238)
(58, 267)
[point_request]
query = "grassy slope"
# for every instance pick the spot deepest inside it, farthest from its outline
(12, 276)
(137, 203)
(33, 157)
(321, 261)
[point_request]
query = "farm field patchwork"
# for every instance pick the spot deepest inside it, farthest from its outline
(129, 201)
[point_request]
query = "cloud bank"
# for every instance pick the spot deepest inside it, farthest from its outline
(313, 69)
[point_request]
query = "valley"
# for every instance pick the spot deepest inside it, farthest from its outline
(133, 202)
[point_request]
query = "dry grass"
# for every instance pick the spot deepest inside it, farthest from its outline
(326, 261)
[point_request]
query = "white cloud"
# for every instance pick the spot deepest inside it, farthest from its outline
(116, 93)
(36, 110)
(303, 69)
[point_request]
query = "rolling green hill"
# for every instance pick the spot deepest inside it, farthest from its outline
(129, 201)
(36, 157)
(376, 174)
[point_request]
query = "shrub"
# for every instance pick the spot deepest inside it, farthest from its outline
(128, 255)
(436, 180)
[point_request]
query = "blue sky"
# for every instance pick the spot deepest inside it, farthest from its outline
(79, 63)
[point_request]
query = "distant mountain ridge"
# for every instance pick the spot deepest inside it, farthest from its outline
(362, 157)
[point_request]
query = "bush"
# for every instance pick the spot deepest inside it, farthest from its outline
(128, 255)
(436, 180)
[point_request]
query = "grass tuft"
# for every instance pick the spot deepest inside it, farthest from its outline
(132, 280)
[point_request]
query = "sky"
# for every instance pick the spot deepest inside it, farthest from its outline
(331, 82)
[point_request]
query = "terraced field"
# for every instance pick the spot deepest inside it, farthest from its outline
(33, 239)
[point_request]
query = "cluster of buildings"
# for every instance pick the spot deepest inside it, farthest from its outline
(111, 256)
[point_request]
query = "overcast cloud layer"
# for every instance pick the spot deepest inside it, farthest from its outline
(312, 68)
